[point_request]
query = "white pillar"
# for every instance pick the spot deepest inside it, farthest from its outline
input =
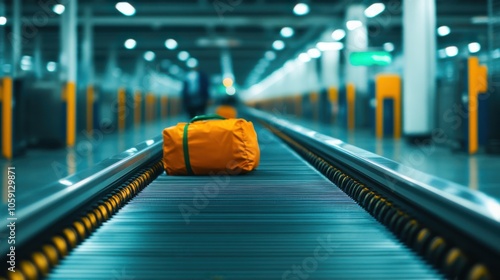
(419, 90)
(330, 61)
(356, 41)
(72, 23)
(16, 38)
(112, 81)
(63, 44)
(140, 67)
(88, 48)
(2, 42)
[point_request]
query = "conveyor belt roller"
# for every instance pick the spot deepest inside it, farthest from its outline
(283, 221)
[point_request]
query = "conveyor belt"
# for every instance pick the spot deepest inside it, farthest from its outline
(283, 221)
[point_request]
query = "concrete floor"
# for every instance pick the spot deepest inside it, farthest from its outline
(39, 167)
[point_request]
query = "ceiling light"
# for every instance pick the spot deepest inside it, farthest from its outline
(125, 8)
(3, 20)
(227, 82)
(230, 90)
(388, 47)
(338, 34)
(51, 66)
(301, 9)
(374, 10)
(58, 9)
(287, 32)
(130, 44)
(183, 56)
(304, 57)
(270, 55)
(192, 62)
(329, 46)
(149, 56)
(451, 51)
(474, 47)
(353, 24)
(26, 63)
(171, 44)
(278, 45)
(443, 30)
(314, 53)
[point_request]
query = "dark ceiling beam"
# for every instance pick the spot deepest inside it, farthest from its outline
(271, 21)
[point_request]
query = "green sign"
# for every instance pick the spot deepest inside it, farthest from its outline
(370, 58)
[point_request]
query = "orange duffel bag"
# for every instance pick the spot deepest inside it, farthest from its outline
(210, 144)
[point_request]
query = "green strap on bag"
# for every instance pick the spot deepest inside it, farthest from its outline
(185, 145)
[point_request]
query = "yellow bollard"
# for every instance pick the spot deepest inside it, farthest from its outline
(6, 98)
(121, 109)
(313, 99)
(90, 108)
(388, 86)
(69, 96)
(351, 105)
(478, 83)
(137, 107)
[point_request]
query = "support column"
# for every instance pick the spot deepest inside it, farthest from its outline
(37, 57)
(16, 38)
(357, 76)
(419, 42)
(69, 67)
(88, 66)
(226, 64)
(2, 42)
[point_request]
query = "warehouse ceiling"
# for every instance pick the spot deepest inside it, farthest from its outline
(247, 28)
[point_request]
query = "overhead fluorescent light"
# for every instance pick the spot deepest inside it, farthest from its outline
(51, 66)
(183, 56)
(171, 44)
(287, 32)
(130, 44)
(483, 20)
(149, 56)
(125, 8)
(474, 47)
(338, 34)
(192, 62)
(58, 9)
(353, 24)
(270, 55)
(451, 51)
(230, 90)
(374, 10)
(388, 47)
(329, 46)
(314, 53)
(301, 9)
(443, 30)
(278, 45)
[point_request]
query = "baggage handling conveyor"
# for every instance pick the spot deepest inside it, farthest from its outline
(126, 219)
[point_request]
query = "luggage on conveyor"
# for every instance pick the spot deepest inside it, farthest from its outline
(228, 112)
(210, 144)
